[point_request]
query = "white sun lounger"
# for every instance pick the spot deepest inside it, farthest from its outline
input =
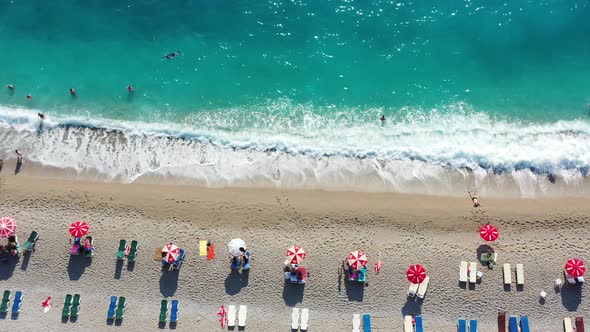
(507, 274)
(472, 272)
(408, 326)
(423, 287)
(231, 316)
(295, 319)
(304, 318)
(412, 290)
(567, 325)
(356, 322)
(242, 316)
(463, 272)
(519, 274)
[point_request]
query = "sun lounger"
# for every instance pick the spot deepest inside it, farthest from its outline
(472, 272)
(413, 289)
(112, 307)
(303, 273)
(242, 316)
(231, 316)
(519, 274)
(473, 325)
(423, 287)
(295, 319)
(367, 323)
(524, 324)
(419, 325)
(356, 322)
(463, 271)
(65, 312)
(501, 322)
(18, 298)
(89, 246)
(121, 250)
(246, 261)
(176, 265)
(567, 325)
(120, 312)
(304, 319)
(507, 274)
(579, 324)
(486, 257)
(133, 252)
(362, 274)
(408, 326)
(163, 311)
(5, 302)
(174, 311)
(462, 325)
(31, 241)
(75, 306)
(513, 324)
(75, 250)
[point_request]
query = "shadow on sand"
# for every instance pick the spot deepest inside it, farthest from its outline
(235, 281)
(293, 293)
(7, 266)
(77, 265)
(169, 282)
(571, 297)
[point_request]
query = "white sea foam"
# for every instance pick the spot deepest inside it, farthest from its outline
(284, 145)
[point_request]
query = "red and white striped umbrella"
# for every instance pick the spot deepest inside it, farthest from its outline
(488, 233)
(356, 259)
(171, 252)
(296, 254)
(416, 274)
(575, 267)
(7, 227)
(79, 229)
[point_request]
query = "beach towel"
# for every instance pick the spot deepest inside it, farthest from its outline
(203, 248)
(211, 252)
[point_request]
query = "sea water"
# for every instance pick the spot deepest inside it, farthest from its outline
(490, 95)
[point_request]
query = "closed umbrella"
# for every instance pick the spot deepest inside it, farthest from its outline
(171, 253)
(416, 274)
(296, 254)
(7, 227)
(79, 229)
(234, 247)
(575, 267)
(488, 233)
(357, 259)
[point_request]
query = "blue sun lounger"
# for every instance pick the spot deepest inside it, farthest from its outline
(419, 326)
(112, 307)
(174, 311)
(524, 324)
(367, 323)
(473, 325)
(362, 275)
(18, 298)
(246, 263)
(462, 325)
(513, 324)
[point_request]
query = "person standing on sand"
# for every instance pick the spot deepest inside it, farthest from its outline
(474, 199)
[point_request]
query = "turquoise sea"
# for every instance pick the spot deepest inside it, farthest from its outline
(486, 94)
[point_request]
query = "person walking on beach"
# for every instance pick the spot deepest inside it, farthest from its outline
(474, 199)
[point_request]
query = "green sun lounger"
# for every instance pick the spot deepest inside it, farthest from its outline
(121, 250)
(120, 308)
(163, 311)
(5, 302)
(31, 241)
(133, 252)
(67, 306)
(75, 305)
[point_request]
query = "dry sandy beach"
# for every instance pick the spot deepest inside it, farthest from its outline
(437, 232)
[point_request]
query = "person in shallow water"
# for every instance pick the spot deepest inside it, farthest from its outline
(73, 92)
(382, 119)
(474, 199)
(130, 89)
(41, 116)
(172, 55)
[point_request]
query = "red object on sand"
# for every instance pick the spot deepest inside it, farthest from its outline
(211, 252)
(79, 229)
(575, 267)
(7, 227)
(357, 259)
(416, 274)
(47, 302)
(488, 233)
(222, 316)
(296, 254)
(378, 266)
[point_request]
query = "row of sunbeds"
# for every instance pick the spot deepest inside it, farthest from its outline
(299, 321)
(231, 316)
(356, 323)
(419, 290)
(578, 323)
(16, 304)
(468, 273)
(130, 251)
(513, 324)
(174, 308)
(71, 306)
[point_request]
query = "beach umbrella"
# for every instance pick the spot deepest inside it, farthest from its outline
(7, 227)
(575, 267)
(79, 229)
(234, 247)
(171, 253)
(296, 254)
(356, 259)
(488, 233)
(416, 274)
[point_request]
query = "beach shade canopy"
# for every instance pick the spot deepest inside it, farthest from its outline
(488, 233)
(416, 274)
(234, 247)
(575, 267)
(7, 227)
(171, 253)
(296, 254)
(79, 229)
(357, 259)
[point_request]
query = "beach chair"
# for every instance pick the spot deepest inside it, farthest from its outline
(463, 271)
(75, 306)
(31, 241)
(501, 322)
(120, 312)
(176, 265)
(362, 274)
(567, 325)
(507, 274)
(408, 326)
(18, 299)
(304, 319)
(473, 325)
(75, 250)
(5, 302)
(472, 272)
(242, 316)
(295, 319)
(423, 288)
(65, 312)
(231, 316)
(579, 324)
(246, 260)
(524, 324)
(163, 311)
(513, 324)
(462, 325)
(519, 275)
(413, 289)
(367, 323)
(303, 271)
(112, 307)
(121, 250)
(419, 325)
(174, 311)
(133, 252)
(356, 322)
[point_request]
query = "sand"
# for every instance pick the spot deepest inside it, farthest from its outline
(437, 232)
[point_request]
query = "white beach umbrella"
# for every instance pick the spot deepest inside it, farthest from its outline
(234, 247)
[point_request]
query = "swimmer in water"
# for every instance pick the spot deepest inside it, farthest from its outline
(73, 92)
(10, 87)
(41, 116)
(382, 118)
(172, 55)
(29, 97)
(130, 89)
